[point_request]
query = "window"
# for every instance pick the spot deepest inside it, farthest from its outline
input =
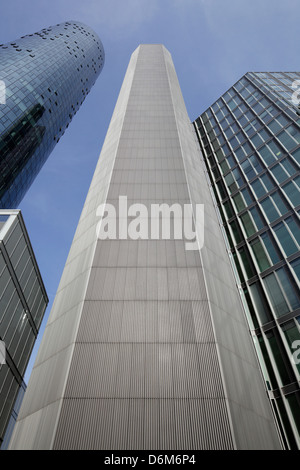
(262, 185)
(264, 251)
(278, 124)
(224, 166)
(256, 217)
(243, 120)
(248, 224)
(258, 188)
(239, 202)
(279, 202)
(234, 142)
(274, 206)
(246, 195)
(240, 153)
(231, 161)
(296, 267)
(258, 108)
(285, 239)
(219, 155)
(228, 209)
(268, 114)
(246, 263)
(289, 137)
(251, 167)
(292, 190)
(248, 169)
(236, 231)
(222, 190)
(230, 182)
(277, 298)
(268, 183)
(294, 228)
(260, 254)
(257, 140)
(283, 170)
(270, 247)
(251, 221)
(296, 155)
(259, 302)
(278, 354)
(231, 104)
(253, 127)
(270, 153)
(288, 288)
(228, 132)
(226, 149)
(247, 148)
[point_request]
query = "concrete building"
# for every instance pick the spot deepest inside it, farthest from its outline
(147, 345)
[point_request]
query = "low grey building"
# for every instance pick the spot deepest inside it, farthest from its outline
(23, 300)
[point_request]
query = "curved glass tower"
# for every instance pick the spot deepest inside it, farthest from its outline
(44, 77)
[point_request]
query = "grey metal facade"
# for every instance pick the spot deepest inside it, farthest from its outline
(23, 301)
(147, 346)
(47, 76)
(250, 139)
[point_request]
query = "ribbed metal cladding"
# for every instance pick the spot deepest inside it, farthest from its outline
(143, 367)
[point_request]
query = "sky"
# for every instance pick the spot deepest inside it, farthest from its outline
(212, 43)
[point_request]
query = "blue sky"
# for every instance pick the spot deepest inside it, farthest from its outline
(212, 42)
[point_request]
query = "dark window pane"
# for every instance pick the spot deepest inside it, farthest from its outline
(296, 267)
(276, 297)
(260, 255)
(285, 239)
(288, 288)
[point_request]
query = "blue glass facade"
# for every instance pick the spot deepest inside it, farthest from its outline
(250, 138)
(46, 76)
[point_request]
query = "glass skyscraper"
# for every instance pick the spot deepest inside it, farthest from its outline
(44, 77)
(250, 138)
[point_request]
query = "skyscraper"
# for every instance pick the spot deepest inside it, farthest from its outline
(44, 79)
(147, 345)
(250, 139)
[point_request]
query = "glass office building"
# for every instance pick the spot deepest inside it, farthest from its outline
(44, 79)
(250, 139)
(13, 417)
(23, 301)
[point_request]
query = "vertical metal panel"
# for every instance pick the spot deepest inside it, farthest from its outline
(145, 372)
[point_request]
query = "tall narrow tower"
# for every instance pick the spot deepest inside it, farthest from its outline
(44, 78)
(146, 346)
